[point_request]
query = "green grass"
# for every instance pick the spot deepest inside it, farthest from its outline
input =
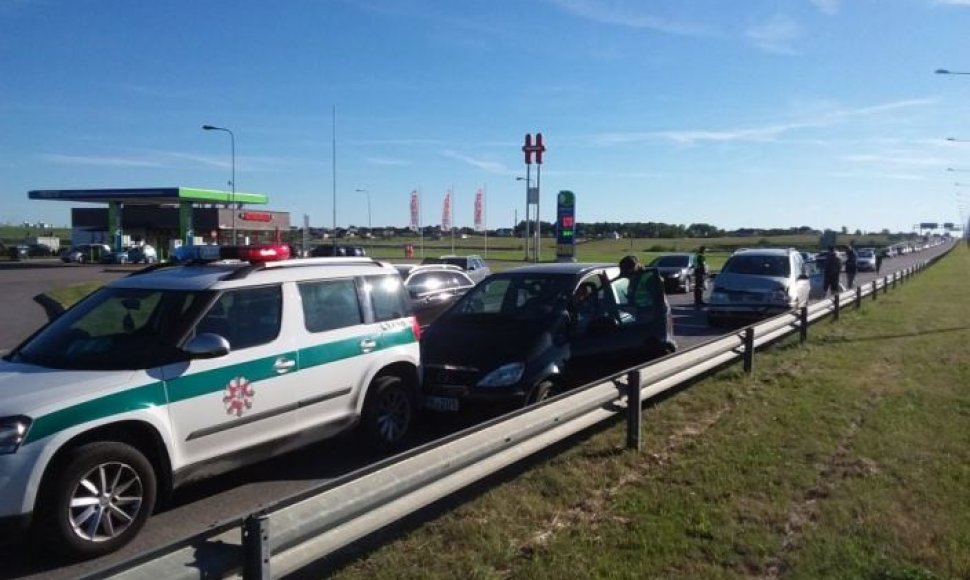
(68, 295)
(847, 457)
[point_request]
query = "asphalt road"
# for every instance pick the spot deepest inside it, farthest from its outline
(197, 507)
(21, 282)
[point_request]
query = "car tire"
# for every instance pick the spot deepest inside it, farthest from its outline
(74, 502)
(539, 393)
(389, 413)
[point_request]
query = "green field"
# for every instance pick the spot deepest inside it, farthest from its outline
(507, 252)
(848, 457)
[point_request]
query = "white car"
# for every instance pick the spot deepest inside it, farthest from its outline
(758, 283)
(865, 260)
(175, 373)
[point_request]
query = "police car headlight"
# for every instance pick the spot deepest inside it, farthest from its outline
(13, 431)
(503, 376)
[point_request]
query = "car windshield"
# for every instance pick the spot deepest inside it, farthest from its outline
(671, 262)
(758, 265)
(518, 297)
(114, 329)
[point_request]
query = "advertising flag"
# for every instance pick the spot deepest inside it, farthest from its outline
(415, 212)
(446, 212)
(479, 210)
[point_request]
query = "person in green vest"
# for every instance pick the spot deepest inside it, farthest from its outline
(637, 293)
(700, 276)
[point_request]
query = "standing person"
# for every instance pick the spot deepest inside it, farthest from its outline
(832, 271)
(879, 256)
(637, 294)
(700, 276)
(851, 266)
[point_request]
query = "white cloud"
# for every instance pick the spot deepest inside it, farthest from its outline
(100, 161)
(490, 166)
(777, 35)
(827, 6)
(761, 134)
(628, 14)
(386, 161)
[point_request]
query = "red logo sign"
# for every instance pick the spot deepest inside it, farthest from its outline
(238, 396)
(529, 149)
(256, 216)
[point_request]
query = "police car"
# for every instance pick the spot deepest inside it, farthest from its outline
(177, 372)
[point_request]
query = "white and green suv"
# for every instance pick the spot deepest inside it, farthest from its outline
(179, 372)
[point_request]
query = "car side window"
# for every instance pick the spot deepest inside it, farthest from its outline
(386, 295)
(330, 304)
(245, 317)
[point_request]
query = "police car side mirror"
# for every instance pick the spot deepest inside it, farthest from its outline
(207, 345)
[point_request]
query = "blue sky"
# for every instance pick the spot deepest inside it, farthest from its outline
(748, 113)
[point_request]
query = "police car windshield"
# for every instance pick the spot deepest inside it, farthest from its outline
(115, 329)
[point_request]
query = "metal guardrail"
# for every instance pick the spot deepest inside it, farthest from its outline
(305, 529)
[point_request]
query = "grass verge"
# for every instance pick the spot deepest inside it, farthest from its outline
(847, 457)
(68, 295)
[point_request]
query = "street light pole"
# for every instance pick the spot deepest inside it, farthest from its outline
(370, 231)
(232, 195)
(527, 236)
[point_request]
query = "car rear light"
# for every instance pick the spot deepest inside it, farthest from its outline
(415, 328)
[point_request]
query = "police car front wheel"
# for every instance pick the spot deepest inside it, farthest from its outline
(388, 413)
(99, 501)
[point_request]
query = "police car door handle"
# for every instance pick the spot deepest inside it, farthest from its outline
(368, 345)
(284, 365)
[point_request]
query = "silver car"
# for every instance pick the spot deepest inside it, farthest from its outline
(758, 283)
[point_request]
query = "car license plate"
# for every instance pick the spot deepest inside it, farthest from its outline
(441, 403)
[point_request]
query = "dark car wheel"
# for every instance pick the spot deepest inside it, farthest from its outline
(389, 412)
(98, 502)
(539, 393)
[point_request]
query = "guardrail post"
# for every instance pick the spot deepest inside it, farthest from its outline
(895, 276)
(634, 416)
(835, 303)
(875, 290)
(858, 296)
(885, 286)
(803, 324)
(255, 542)
(749, 350)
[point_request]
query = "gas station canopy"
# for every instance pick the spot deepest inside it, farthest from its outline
(148, 196)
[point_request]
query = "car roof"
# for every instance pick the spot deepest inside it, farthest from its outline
(573, 268)
(763, 252)
(234, 274)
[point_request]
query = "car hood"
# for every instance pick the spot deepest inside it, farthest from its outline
(482, 345)
(748, 283)
(33, 391)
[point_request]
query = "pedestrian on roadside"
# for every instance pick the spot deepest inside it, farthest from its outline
(832, 272)
(851, 266)
(700, 276)
(879, 256)
(637, 295)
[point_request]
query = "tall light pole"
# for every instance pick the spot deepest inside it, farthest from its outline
(232, 195)
(369, 230)
(528, 238)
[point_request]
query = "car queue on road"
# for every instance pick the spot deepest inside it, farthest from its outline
(88, 461)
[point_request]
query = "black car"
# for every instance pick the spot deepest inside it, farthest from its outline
(524, 334)
(433, 288)
(677, 271)
(329, 251)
